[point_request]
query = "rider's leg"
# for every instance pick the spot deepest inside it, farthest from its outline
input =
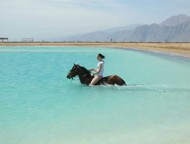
(95, 80)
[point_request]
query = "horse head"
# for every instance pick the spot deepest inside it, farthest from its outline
(78, 70)
(74, 71)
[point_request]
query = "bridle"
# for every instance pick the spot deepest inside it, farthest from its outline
(79, 68)
(82, 76)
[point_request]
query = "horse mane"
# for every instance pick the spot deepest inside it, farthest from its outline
(85, 70)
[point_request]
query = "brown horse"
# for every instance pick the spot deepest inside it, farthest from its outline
(85, 77)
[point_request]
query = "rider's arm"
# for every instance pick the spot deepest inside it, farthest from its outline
(99, 69)
(92, 70)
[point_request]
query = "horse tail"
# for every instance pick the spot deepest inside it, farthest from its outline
(123, 82)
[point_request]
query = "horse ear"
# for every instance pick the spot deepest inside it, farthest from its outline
(74, 64)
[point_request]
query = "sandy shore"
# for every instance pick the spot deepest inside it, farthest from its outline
(181, 49)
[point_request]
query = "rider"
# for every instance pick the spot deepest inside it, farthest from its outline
(99, 71)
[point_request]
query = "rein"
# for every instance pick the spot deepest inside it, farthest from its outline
(81, 76)
(84, 75)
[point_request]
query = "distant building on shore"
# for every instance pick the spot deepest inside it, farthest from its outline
(2, 39)
(28, 40)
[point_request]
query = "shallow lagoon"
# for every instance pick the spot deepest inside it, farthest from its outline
(38, 105)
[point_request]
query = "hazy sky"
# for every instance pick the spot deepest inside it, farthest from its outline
(42, 19)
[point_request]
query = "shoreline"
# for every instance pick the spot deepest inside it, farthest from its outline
(175, 49)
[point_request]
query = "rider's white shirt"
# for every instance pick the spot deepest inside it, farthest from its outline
(101, 73)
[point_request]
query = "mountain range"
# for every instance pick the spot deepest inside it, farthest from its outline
(173, 29)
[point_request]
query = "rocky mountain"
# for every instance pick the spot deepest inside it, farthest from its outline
(176, 20)
(174, 29)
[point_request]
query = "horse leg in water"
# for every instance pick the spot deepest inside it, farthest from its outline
(114, 79)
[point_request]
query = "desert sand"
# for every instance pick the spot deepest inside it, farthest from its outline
(180, 49)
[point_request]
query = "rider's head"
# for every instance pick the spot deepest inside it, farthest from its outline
(100, 57)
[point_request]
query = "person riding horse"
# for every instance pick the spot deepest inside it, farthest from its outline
(100, 70)
(88, 79)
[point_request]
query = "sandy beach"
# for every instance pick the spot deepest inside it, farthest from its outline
(180, 49)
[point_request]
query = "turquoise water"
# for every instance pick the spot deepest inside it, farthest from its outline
(39, 105)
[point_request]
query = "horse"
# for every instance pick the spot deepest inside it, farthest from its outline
(85, 77)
